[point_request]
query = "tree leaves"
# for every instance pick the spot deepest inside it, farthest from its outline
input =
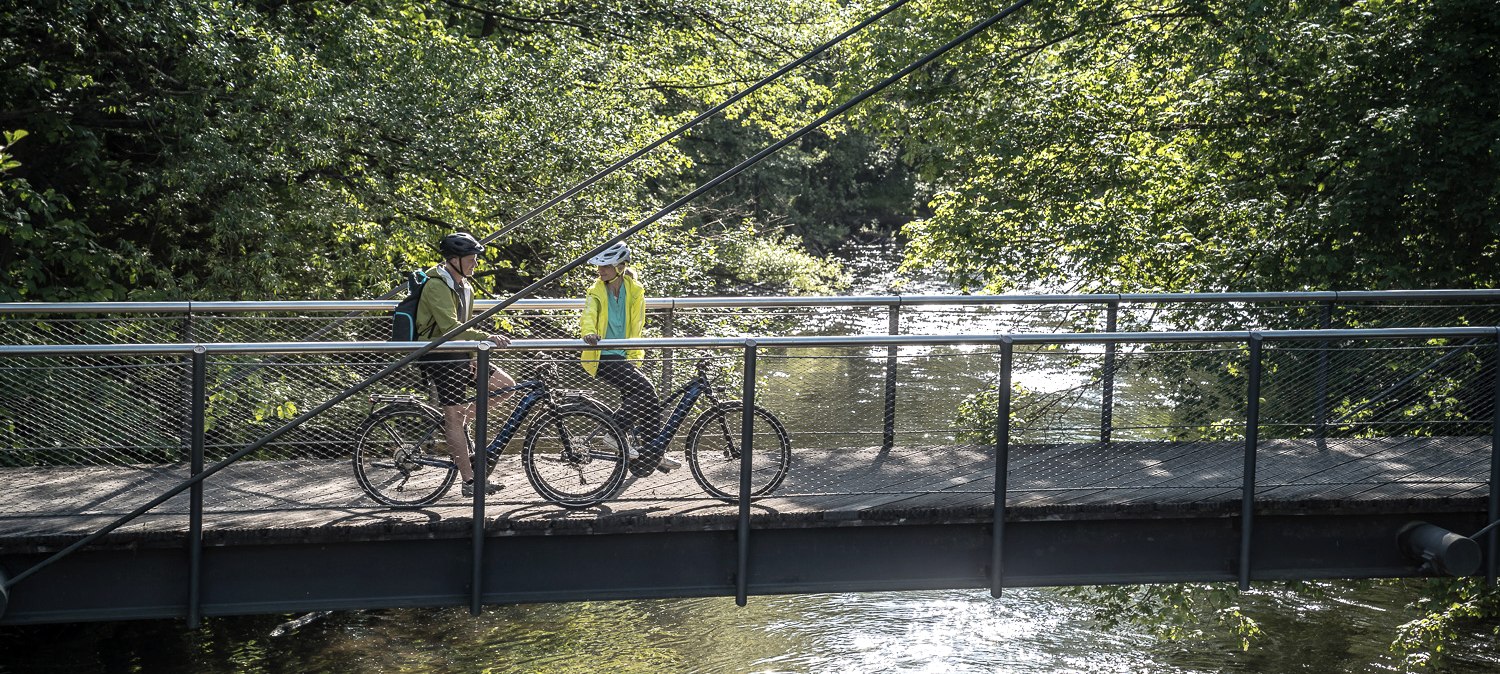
(1178, 147)
(224, 150)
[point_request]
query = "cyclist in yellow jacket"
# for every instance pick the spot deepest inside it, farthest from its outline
(615, 308)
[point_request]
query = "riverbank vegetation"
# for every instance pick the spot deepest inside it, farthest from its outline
(295, 149)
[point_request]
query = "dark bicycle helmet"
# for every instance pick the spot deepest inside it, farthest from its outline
(460, 244)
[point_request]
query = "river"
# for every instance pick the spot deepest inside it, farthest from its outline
(1345, 628)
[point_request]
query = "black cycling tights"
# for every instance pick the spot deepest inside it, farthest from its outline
(639, 404)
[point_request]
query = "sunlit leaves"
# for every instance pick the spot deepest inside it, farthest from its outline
(1183, 146)
(283, 150)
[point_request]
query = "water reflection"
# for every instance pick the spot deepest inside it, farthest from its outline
(1034, 630)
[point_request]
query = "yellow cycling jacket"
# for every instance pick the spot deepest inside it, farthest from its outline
(596, 319)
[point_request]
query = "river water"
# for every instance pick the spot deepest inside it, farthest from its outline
(937, 631)
(1345, 628)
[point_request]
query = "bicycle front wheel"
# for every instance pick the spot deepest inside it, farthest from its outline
(713, 451)
(572, 456)
(401, 458)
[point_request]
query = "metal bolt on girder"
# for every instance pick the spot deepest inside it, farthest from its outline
(1439, 549)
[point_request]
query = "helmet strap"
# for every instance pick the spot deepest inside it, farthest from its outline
(457, 270)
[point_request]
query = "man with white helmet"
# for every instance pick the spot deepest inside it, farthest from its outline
(615, 308)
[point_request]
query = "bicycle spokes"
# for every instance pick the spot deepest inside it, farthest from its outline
(574, 457)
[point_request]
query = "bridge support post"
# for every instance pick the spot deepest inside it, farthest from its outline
(1492, 543)
(1002, 466)
(894, 328)
(481, 475)
(747, 445)
(668, 329)
(1325, 320)
(1107, 399)
(199, 403)
(1252, 440)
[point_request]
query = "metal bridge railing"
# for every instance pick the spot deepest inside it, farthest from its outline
(219, 322)
(89, 433)
(213, 322)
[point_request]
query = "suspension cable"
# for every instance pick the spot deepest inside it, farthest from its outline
(524, 292)
(571, 191)
(606, 172)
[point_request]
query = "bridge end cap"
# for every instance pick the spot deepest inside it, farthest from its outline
(1439, 549)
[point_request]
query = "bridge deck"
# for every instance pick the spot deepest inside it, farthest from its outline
(319, 500)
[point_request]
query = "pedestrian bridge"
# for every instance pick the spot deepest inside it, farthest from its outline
(1135, 439)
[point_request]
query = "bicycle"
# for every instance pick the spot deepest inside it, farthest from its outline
(571, 454)
(713, 441)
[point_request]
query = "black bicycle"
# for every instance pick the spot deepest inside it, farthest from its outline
(713, 444)
(572, 454)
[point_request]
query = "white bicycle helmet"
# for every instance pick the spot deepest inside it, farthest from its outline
(612, 255)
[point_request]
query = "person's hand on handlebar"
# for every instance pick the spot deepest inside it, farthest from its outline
(591, 339)
(500, 340)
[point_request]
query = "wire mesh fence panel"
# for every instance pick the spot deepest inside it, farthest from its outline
(1175, 437)
(836, 406)
(1415, 314)
(281, 327)
(1056, 394)
(90, 434)
(125, 328)
(1224, 315)
(991, 319)
(309, 466)
(708, 321)
(557, 318)
(1382, 419)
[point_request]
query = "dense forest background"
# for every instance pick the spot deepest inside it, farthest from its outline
(298, 149)
(173, 149)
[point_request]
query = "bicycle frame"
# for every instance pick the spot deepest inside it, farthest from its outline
(690, 393)
(536, 391)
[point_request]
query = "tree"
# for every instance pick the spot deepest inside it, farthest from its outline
(1192, 146)
(1197, 146)
(270, 149)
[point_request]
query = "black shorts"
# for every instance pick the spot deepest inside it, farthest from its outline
(453, 379)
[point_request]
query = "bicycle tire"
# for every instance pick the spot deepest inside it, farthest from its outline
(396, 453)
(713, 454)
(574, 443)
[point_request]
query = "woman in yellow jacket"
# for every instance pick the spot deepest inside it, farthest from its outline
(615, 308)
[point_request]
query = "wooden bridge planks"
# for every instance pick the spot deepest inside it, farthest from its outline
(824, 485)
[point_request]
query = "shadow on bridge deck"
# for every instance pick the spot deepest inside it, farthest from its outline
(313, 500)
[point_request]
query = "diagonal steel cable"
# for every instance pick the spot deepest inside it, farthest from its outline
(606, 172)
(528, 290)
(611, 169)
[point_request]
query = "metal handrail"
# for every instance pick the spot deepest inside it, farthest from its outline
(376, 306)
(1235, 336)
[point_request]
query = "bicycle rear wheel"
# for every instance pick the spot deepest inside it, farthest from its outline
(572, 456)
(401, 458)
(713, 451)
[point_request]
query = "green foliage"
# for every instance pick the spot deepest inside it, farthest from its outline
(1455, 608)
(245, 149)
(1191, 146)
(828, 188)
(1171, 611)
(771, 263)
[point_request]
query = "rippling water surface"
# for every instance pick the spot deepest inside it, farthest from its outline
(934, 631)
